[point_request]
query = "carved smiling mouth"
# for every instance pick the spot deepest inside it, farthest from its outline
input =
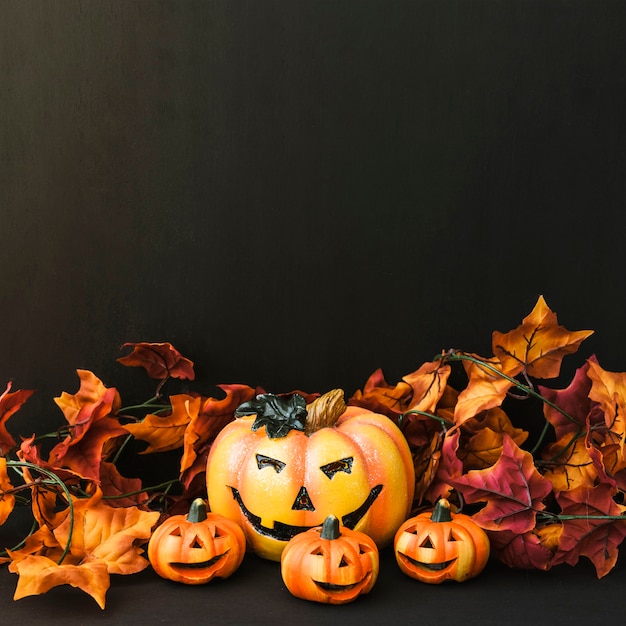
(196, 566)
(433, 567)
(334, 588)
(284, 532)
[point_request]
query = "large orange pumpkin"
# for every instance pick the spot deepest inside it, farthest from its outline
(281, 468)
(330, 564)
(436, 546)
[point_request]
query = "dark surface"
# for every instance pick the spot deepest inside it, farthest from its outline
(255, 594)
(295, 193)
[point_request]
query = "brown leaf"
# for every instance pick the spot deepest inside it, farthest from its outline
(160, 360)
(39, 574)
(538, 345)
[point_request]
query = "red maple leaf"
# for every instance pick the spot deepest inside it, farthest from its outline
(590, 532)
(160, 360)
(574, 400)
(512, 490)
(523, 551)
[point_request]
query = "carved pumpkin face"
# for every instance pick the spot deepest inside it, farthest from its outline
(279, 480)
(196, 548)
(441, 546)
(330, 565)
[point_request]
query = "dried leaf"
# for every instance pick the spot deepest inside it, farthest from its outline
(39, 574)
(538, 345)
(110, 535)
(596, 538)
(160, 360)
(9, 404)
(7, 499)
(167, 432)
(512, 490)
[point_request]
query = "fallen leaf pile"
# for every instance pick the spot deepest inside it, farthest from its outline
(545, 505)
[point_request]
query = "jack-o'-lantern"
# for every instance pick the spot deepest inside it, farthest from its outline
(282, 467)
(438, 546)
(195, 548)
(330, 565)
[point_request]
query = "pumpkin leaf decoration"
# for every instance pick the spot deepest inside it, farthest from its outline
(279, 414)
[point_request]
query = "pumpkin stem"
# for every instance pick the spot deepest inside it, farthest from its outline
(330, 528)
(441, 512)
(197, 511)
(324, 411)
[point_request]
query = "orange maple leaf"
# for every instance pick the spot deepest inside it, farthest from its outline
(167, 432)
(9, 404)
(7, 499)
(538, 346)
(570, 465)
(39, 574)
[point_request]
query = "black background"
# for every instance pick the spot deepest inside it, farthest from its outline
(295, 193)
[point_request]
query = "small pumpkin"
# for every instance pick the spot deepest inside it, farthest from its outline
(283, 466)
(440, 545)
(197, 547)
(330, 565)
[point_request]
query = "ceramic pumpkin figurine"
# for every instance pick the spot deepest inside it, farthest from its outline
(198, 547)
(438, 546)
(282, 467)
(330, 565)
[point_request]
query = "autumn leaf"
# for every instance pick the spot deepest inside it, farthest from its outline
(39, 574)
(512, 490)
(110, 535)
(160, 360)
(426, 461)
(574, 401)
(521, 550)
(448, 469)
(568, 464)
(114, 485)
(7, 499)
(204, 425)
(381, 397)
(486, 388)
(484, 446)
(538, 346)
(166, 432)
(9, 404)
(590, 532)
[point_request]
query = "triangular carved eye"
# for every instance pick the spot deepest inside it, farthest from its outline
(196, 543)
(452, 537)
(344, 562)
(217, 532)
(175, 532)
(427, 543)
(318, 551)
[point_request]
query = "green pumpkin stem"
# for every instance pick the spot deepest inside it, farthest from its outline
(441, 512)
(197, 511)
(330, 528)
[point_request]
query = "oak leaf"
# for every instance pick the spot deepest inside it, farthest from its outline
(591, 532)
(160, 360)
(512, 490)
(538, 345)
